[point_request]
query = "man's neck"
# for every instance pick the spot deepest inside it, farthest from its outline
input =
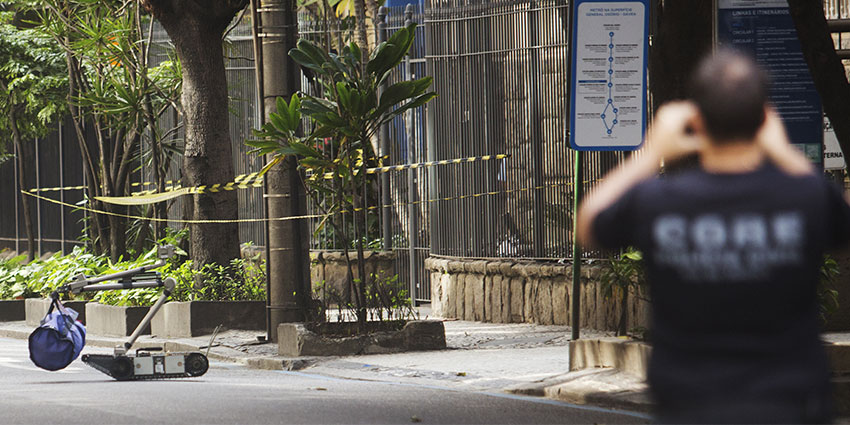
(735, 157)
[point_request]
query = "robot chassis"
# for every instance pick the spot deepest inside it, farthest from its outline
(146, 363)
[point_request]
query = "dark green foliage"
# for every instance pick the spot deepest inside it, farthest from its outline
(243, 279)
(827, 294)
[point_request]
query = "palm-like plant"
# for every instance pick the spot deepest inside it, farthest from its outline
(338, 149)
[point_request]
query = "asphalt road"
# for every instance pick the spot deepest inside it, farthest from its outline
(233, 394)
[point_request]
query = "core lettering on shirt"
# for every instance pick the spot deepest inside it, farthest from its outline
(740, 247)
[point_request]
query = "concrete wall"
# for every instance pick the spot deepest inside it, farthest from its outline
(114, 320)
(12, 310)
(524, 292)
(36, 309)
(194, 318)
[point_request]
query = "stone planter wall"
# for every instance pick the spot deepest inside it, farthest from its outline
(36, 309)
(12, 310)
(114, 320)
(195, 318)
(525, 292)
(330, 268)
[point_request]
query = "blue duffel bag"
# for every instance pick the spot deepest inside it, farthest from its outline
(58, 340)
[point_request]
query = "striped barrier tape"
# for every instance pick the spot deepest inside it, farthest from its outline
(300, 217)
(244, 181)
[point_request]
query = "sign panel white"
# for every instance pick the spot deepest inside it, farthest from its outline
(608, 75)
(833, 158)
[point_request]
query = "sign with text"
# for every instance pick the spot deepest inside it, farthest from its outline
(833, 158)
(765, 29)
(608, 54)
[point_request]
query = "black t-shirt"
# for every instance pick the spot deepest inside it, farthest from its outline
(733, 263)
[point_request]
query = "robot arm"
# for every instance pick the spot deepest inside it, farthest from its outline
(128, 279)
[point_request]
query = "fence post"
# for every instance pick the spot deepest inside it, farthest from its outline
(539, 193)
(384, 143)
(18, 195)
(411, 180)
(576, 288)
(62, 191)
(38, 201)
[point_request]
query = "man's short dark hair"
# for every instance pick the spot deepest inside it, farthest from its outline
(730, 91)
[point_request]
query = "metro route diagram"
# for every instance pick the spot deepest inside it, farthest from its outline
(609, 121)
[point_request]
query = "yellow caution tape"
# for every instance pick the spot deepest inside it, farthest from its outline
(300, 217)
(252, 180)
(386, 169)
(144, 199)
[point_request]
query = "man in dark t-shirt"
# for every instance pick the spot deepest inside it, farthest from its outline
(733, 249)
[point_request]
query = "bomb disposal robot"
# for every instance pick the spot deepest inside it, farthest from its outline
(146, 363)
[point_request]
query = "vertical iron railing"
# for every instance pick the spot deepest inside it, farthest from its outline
(500, 68)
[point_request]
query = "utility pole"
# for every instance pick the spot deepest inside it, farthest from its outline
(287, 244)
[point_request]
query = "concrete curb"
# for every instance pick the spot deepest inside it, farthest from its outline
(627, 355)
(630, 358)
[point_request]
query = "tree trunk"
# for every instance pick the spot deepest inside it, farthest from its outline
(208, 156)
(22, 182)
(683, 38)
(117, 232)
(827, 71)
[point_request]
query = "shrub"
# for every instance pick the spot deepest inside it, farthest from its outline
(241, 280)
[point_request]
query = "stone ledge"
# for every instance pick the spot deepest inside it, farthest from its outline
(295, 340)
(507, 267)
(338, 256)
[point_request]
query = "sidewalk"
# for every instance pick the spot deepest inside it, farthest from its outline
(520, 359)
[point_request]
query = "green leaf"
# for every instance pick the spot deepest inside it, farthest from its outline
(295, 111)
(302, 149)
(633, 255)
(357, 54)
(402, 91)
(312, 106)
(316, 55)
(344, 95)
(384, 59)
(305, 60)
(392, 54)
(280, 124)
(280, 102)
(314, 163)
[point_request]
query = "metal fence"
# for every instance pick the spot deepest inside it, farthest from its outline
(501, 70)
(54, 162)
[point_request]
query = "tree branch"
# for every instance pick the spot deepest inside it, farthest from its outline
(827, 71)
